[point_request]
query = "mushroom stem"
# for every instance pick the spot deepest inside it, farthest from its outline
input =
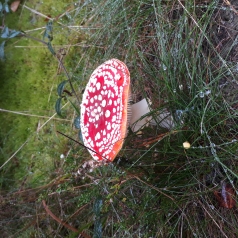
(141, 117)
(138, 118)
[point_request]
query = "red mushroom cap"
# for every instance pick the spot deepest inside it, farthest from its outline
(104, 110)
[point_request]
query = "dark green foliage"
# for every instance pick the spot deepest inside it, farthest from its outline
(80, 136)
(51, 49)
(77, 122)
(48, 34)
(97, 207)
(58, 106)
(61, 86)
(4, 7)
(7, 33)
(2, 56)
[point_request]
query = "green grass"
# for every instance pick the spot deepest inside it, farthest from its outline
(157, 190)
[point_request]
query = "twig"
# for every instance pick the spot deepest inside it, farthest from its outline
(51, 118)
(57, 219)
(229, 4)
(46, 17)
(201, 124)
(82, 145)
(219, 227)
(151, 186)
(31, 115)
(14, 153)
(148, 141)
(62, 222)
(59, 46)
(33, 38)
(56, 181)
(28, 138)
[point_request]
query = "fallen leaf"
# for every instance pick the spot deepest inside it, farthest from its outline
(47, 18)
(225, 196)
(15, 5)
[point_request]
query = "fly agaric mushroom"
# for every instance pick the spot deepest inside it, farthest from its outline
(104, 110)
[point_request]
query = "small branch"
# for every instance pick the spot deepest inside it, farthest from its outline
(82, 145)
(83, 234)
(153, 187)
(229, 4)
(67, 75)
(46, 17)
(211, 216)
(32, 115)
(60, 46)
(28, 138)
(57, 219)
(33, 38)
(37, 13)
(14, 154)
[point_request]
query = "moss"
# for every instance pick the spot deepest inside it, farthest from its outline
(28, 83)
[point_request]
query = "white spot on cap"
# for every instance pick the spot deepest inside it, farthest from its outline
(100, 97)
(117, 77)
(98, 85)
(98, 136)
(107, 113)
(114, 118)
(99, 109)
(92, 144)
(91, 100)
(109, 126)
(103, 103)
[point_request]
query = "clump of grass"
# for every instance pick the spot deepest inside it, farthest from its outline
(157, 188)
(168, 50)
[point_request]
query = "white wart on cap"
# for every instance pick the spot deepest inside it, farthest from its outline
(104, 110)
